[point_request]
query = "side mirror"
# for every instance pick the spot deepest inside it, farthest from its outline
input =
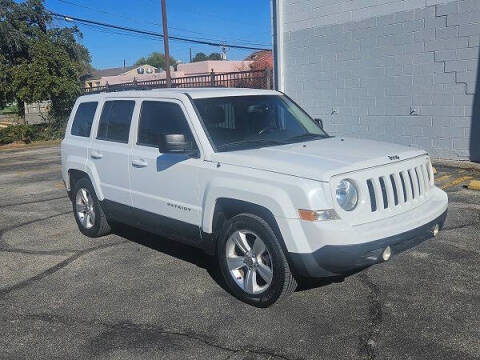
(319, 123)
(173, 143)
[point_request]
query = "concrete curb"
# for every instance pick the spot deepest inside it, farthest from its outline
(459, 164)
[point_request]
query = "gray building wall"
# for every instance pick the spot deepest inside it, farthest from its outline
(398, 71)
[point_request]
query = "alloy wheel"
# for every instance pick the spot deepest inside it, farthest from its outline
(84, 208)
(249, 262)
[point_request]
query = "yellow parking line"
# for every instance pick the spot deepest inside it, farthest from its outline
(474, 185)
(456, 182)
(441, 178)
(60, 186)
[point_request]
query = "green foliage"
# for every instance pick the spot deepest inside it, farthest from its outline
(11, 109)
(5, 80)
(18, 133)
(200, 56)
(215, 56)
(157, 60)
(53, 129)
(38, 62)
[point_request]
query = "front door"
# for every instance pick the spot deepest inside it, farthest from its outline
(164, 187)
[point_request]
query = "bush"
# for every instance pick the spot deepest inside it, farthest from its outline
(28, 133)
(16, 133)
(10, 109)
(52, 129)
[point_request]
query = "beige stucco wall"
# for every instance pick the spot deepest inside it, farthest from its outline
(218, 66)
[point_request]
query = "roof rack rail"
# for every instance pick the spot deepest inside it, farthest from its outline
(115, 88)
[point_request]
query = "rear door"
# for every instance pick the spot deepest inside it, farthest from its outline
(109, 155)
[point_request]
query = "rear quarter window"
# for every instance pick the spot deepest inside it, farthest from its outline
(82, 123)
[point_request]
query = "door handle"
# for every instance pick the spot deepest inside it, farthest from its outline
(139, 163)
(96, 155)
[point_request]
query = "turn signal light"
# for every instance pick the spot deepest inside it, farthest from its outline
(317, 215)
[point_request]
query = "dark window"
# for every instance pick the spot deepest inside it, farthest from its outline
(115, 120)
(242, 122)
(82, 123)
(161, 118)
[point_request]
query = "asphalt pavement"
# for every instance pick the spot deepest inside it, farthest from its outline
(134, 295)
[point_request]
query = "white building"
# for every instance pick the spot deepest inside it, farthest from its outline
(403, 71)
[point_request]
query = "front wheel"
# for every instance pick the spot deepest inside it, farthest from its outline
(89, 215)
(252, 261)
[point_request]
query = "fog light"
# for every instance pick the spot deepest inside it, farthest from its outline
(436, 230)
(387, 253)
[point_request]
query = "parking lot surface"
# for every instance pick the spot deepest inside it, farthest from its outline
(134, 295)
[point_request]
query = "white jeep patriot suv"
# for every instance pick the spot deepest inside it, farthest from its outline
(249, 177)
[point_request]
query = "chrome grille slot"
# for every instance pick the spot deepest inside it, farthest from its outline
(426, 179)
(384, 192)
(406, 197)
(413, 184)
(371, 191)
(399, 187)
(394, 187)
(420, 182)
(429, 172)
(378, 193)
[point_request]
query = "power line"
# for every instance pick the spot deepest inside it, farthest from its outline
(151, 33)
(103, 11)
(118, 32)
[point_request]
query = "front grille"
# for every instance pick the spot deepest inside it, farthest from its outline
(400, 187)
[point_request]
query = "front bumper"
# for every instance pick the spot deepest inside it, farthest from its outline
(335, 260)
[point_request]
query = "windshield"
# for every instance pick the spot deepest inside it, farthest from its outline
(247, 122)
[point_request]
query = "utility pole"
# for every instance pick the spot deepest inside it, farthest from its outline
(165, 43)
(190, 54)
(224, 51)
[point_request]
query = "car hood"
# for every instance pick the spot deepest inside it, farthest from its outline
(319, 159)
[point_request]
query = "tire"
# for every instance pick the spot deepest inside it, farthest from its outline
(237, 265)
(96, 224)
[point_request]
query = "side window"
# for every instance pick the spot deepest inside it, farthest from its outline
(115, 120)
(159, 118)
(82, 122)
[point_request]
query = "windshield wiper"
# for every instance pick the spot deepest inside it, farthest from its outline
(306, 136)
(254, 143)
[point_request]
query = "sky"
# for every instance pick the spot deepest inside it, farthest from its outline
(245, 22)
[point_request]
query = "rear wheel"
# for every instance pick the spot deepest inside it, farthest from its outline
(89, 215)
(252, 261)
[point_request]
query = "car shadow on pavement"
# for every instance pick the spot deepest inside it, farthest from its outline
(173, 248)
(198, 257)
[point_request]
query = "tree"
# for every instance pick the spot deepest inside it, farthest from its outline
(49, 74)
(5, 81)
(200, 56)
(39, 62)
(156, 59)
(215, 56)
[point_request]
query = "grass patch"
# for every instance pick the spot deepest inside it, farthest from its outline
(12, 109)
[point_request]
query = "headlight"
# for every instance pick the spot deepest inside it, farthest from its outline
(347, 195)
